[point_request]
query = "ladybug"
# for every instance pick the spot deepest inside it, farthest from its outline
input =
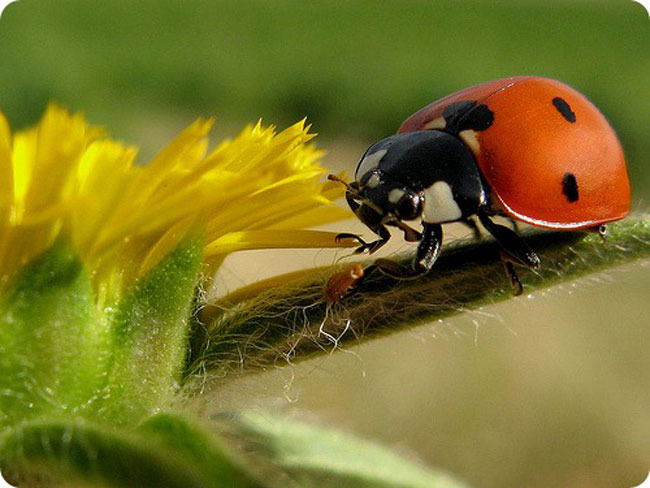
(527, 148)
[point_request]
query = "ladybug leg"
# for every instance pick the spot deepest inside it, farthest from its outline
(424, 259)
(410, 234)
(515, 250)
(372, 220)
(514, 223)
(348, 235)
(511, 243)
(512, 274)
(354, 206)
(372, 246)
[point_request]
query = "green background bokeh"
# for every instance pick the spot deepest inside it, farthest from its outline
(354, 68)
(549, 390)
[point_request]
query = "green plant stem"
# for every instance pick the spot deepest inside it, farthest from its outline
(295, 321)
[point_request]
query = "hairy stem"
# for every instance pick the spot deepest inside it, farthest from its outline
(295, 321)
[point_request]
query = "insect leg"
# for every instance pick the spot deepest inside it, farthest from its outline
(514, 223)
(410, 234)
(512, 274)
(372, 220)
(511, 243)
(514, 249)
(425, 257)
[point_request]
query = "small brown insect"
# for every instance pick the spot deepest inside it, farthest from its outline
(340, 284)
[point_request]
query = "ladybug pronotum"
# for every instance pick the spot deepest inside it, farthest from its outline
(528, 148)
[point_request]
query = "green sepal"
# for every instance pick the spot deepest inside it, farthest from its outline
(149, 335)
(316, 457)
(50, 342)
(61, 355)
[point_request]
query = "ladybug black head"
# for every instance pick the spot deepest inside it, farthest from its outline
(428, 173)
(388, 197)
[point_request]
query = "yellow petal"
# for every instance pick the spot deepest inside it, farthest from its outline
(65, 179)
(271, 239)
(322, 215)
(6, 179)
(166, 244)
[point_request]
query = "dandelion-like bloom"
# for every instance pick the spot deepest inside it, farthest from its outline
(65, 180)
(100, 257)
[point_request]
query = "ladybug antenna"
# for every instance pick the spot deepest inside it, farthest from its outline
(351, 188)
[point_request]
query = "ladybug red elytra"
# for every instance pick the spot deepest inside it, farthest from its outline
(528, 148)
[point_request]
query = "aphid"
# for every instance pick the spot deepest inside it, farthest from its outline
(527, 148)
(341, 284)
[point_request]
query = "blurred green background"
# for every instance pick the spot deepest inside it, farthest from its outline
(547, 390)
(355, 68)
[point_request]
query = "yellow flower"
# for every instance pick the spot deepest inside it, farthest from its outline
(65, 180)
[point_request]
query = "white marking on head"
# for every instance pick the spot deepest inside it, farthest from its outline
(369, 163)
(395, 195)
(373, 181)
(438, 123)
(469, 138)
(439, 204)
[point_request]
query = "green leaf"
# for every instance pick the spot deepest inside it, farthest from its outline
(203, 448)
(170, 450)
(50, 340)
(316, 457)
(295, 321)
(85, 454)
(167, 450)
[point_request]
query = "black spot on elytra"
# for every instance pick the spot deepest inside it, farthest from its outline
(570, 187)
(467, 115)
(456, 110)
(478, 119)
(564, 108)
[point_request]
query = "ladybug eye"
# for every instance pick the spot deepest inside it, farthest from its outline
(408, 207)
